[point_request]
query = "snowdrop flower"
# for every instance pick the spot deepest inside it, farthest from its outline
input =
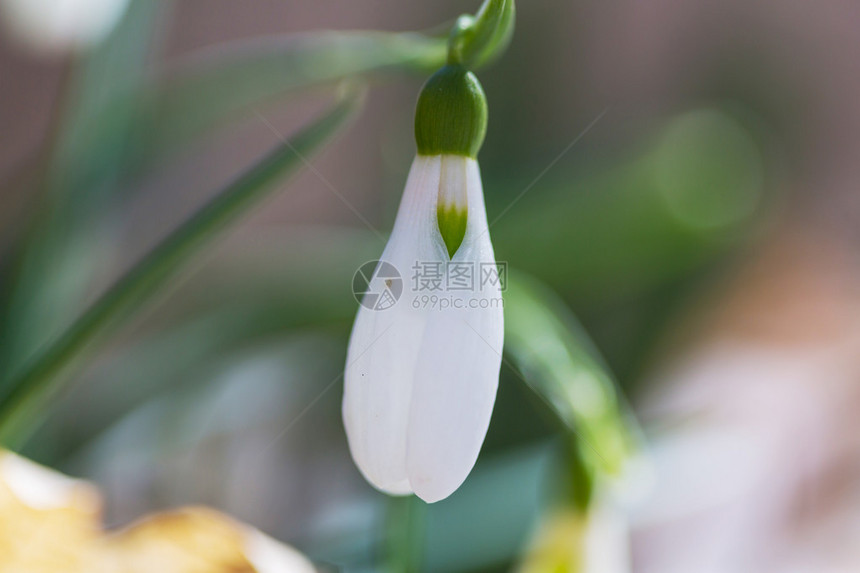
(421, 376)
(59, 25)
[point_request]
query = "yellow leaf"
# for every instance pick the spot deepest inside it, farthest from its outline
(50, 523)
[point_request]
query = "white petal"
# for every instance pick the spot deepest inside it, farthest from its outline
(51, 25)
(384, 345)
(267, 555)
(420, 383)
(457, 371)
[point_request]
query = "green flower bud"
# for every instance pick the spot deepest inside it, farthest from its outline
(451, 115)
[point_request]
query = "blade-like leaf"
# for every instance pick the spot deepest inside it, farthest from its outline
(558, 362)
(144, 280)
(74, 179)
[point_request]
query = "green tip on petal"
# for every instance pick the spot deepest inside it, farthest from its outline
(452, 226)
(451, 115)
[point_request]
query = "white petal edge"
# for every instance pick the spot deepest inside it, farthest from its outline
(384, 344)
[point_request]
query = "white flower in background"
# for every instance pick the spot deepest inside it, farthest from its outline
(421, 376)
(60, 25)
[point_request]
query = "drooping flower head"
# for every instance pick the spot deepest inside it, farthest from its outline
(421, 374)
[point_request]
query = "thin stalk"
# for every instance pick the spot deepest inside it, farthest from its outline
(405, 531)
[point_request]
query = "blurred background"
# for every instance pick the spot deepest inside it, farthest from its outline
(678, 176)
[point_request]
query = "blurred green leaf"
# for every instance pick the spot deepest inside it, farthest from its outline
(486, 523)
(79, 171)
(559, 363)
(580, 475)
(617, 231)
(142, 282)
(274, 283)
(116, 122)
(208, 88)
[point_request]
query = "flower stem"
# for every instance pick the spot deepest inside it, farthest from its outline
(406, 516)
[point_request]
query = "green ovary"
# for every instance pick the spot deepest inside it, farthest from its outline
(452, 226)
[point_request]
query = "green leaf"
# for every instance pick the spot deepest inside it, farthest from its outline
(117, 122)
(64, 236)
(37, 380)
(559, 363)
